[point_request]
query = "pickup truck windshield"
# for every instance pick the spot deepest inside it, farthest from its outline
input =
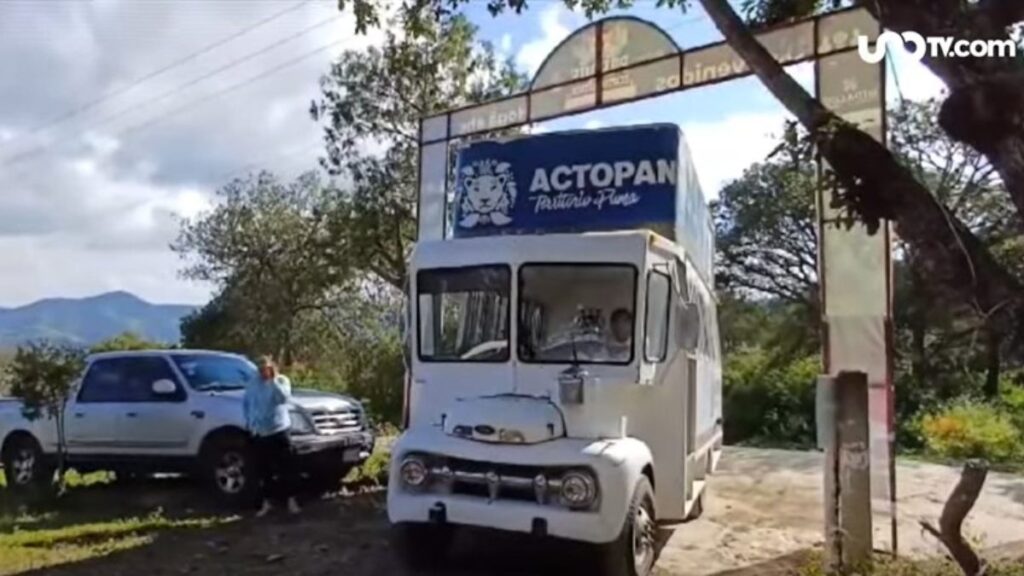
(464, 314)
(577, 313)
(209, 372)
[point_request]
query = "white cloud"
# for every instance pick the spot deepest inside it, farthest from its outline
(553, 31)
(505, 46)
(594, 124)
(97, 210)
(722, 150)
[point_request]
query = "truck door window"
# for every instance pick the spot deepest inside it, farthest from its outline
(464, 314)
(127, 380)
(659, 289)
(587, 313)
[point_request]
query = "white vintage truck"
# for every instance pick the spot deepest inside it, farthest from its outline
(565, 366)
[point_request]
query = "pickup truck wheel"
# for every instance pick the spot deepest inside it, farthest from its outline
(25, 466)
(422, 547)
(229, 469)
(635, 551)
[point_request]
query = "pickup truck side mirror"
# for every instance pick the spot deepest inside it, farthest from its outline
(688, 326)
(164, 387)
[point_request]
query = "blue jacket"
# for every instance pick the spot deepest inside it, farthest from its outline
(266, 406)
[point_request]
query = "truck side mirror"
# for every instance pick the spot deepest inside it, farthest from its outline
(688, 326)
(164, 387)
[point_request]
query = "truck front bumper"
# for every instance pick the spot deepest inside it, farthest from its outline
(351, 448)
(600, 525)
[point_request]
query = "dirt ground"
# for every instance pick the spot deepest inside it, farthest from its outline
(762, 516)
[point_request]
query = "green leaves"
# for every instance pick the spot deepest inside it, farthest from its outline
(370, 108)
(43, 374)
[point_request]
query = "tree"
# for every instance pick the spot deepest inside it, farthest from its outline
(269, 247)
(370, 109)
(983, 110)
(126, 341)
(765, 230)
(43, 376)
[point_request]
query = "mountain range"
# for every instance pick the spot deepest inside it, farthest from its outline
(90, 320)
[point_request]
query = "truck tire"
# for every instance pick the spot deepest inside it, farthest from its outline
(635, 551)
(698, 507)
(25, 465)
(228, 469)
(422, 547)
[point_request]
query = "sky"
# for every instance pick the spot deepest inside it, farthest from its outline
(110, 134)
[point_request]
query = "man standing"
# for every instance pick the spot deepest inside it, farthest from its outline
(268, 420)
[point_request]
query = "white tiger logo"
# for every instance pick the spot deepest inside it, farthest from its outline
(488, 193)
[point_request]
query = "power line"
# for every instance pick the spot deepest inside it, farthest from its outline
(187, 58)
(213, 96)
(180, 88)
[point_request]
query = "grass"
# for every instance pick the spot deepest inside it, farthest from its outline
(24, 545)
(91, 520)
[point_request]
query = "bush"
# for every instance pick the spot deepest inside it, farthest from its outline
(769, 402)
(967, 428)
(373, 472)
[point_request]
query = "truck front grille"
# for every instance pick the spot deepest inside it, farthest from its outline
(337, 421)
(495, 481)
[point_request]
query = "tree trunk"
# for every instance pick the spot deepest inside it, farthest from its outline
(62, 448)
(877, 187)
(956, 509)
(918, 318)
(992, 363)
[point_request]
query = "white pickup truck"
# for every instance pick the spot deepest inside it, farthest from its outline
(176, 411)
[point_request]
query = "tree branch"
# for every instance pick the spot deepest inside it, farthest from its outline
(876, 186)
(957, 507)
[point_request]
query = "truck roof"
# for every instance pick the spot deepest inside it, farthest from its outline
(581, 247)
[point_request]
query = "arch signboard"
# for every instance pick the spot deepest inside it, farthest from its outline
(619, 60)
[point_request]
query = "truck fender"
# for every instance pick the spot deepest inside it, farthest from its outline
(634, 458)
(219, 432)
(13, 435)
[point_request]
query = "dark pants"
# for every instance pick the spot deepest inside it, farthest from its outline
(275, 465)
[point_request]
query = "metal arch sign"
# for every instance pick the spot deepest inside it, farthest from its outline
(640, 61)
(619, 60)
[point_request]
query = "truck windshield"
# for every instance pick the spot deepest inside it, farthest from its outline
(577, 313)
(211, 372)
(464, 314)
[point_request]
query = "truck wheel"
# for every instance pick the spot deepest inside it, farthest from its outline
(422, 546)
(635, 551)
(229, 470)
(698, 507)
(25, 466)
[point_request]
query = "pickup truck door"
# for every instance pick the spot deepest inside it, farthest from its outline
(151, 422)
(92, 416)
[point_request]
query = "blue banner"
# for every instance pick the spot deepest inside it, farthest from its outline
(612, 179)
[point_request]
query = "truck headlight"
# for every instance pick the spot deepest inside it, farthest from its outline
(301, 424)
(413, 471)
(579, 489)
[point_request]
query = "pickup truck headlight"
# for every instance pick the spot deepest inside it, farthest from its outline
(301, 423)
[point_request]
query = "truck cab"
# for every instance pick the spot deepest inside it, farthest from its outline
(564, 382)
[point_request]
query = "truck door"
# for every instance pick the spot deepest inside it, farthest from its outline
(92, 416)
(151, 420)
